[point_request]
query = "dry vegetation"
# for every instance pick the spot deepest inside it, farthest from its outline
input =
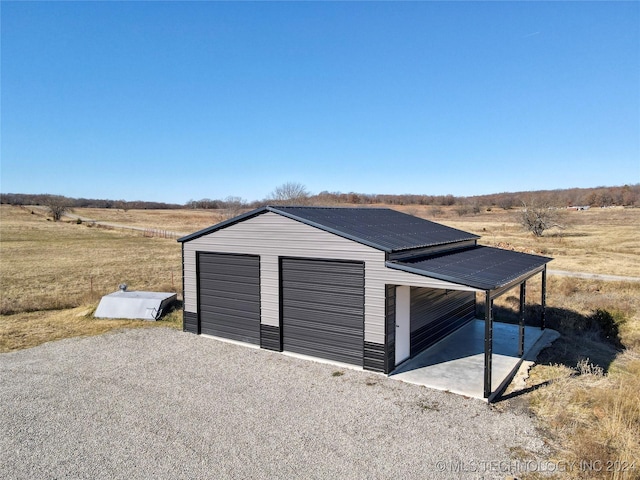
(183, 221)
(47, 267)
(585, 389)
(599, 240)
(28, 329)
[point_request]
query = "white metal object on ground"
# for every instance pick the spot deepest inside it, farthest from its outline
(135, 305)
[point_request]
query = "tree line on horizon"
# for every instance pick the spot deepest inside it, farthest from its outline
(46, 199)
(296, 193)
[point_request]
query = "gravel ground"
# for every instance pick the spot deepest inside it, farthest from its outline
(166, 404)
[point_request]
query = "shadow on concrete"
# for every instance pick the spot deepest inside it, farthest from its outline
(456, 363)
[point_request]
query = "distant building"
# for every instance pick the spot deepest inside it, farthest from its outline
(579, 207)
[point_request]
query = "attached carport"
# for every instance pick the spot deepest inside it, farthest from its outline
(492, 272)
(456, 363)
(366, 287)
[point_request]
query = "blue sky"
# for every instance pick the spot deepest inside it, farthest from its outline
(173, 101)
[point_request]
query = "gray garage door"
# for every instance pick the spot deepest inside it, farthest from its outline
(323, 309)
(229, 296)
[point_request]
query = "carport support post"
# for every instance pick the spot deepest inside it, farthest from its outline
(543, 301)
(523, 297)
(488, 343)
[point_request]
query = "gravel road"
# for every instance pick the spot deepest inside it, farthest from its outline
(593, 276)
(166, 404)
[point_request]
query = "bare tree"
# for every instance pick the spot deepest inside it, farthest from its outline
(290, 193)
(121, 205)
(57, 206)
(233, 206)
(536, 218)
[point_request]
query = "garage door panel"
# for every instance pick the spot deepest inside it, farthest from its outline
(223, 306)
(321, 312)
(230, 328)
(326, 278)
(229, 296)
(231, 276)
(217, 260)
(322, 266)
(330, 334)
(238, 292)
(329, 301)
(327, 289)
(331, 352)
(227, 320)
(300, 278)
(323, 308)
(302, 318)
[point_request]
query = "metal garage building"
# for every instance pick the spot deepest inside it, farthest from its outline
(366, 286)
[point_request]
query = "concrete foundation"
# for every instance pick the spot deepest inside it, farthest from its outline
(456, 363)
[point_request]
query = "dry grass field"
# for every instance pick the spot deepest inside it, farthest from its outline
(585, 390)
(603, 241)
(51, 265)
(183, 221)
(47, 267)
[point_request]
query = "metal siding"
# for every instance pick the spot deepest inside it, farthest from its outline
(270, 290)
(270, 236)
(374, 357)
(398, 277)
(390, 307)
(437, 313)
(190, 322)
(323, 308)
(229, 296)
(270, 338)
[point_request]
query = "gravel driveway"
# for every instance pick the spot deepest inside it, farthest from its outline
(166, 404)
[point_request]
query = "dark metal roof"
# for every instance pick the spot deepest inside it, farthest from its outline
(485, 268)
(381, 228)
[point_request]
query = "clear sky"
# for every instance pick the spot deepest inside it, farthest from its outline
(172, 101)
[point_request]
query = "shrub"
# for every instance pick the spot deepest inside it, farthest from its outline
(608, 323)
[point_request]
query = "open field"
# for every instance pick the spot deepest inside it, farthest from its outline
(602, 241)
(52, 275)
(584, 391)
(183, 221)
(599, 240)
(53, 265)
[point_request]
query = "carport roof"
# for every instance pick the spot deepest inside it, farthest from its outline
(381, 228)
(484, 268)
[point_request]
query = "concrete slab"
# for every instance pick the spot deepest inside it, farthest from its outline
(456, 363)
